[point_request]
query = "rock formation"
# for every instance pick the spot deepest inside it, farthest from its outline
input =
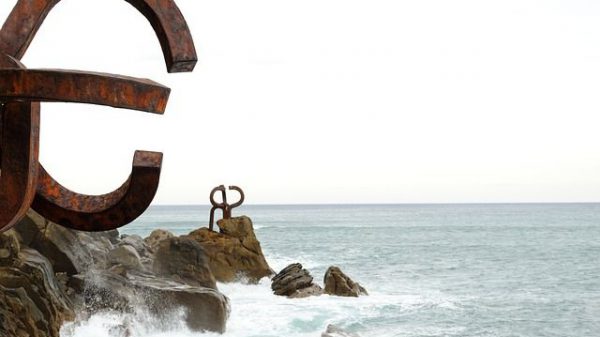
(156, 237)
(294, 281)
(339, 284)
(234, 253)
(32, 304)
(206, 308)
(48, 272)
(335, 331)
(184, 260)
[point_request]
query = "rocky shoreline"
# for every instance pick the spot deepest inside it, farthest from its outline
(50, 275)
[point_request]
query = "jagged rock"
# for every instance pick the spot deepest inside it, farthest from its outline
(9, 249)
(335, 331)
(295, 282)
(126, 256)
(136, 242)
(156, 237)
(312, 290)
(235, 252)
(206, 308)
(99, 271)
(184, 260)
(69, 251)
(339, 284)
(31, 301)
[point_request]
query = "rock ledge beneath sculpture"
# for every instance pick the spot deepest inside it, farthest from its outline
(234, 253)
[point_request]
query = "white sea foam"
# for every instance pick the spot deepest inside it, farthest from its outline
(434, 270)
(257, 312)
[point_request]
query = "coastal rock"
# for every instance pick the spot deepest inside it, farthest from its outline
(339, 284)
(156, 237)
(31, 301)
(137, 243)
(184, 260)
(125, 255)
(335, 331)
(295, 282)
(68, 250)
(48, 272)
(206, 309)
(234, 253)
(312, 290)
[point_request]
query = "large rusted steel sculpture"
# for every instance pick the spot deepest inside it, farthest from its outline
(223, 205)
(24, 183)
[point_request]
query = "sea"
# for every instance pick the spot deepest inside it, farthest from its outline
(469, 270)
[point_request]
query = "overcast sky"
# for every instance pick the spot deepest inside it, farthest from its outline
(339, 101)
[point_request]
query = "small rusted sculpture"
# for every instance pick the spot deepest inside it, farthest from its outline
(24, 183)
(223, 206)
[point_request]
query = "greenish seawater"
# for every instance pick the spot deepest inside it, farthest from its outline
(432, 270)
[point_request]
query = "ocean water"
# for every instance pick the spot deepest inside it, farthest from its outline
(431, 270)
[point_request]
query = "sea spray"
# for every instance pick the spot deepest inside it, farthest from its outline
(257, 312)
(431, 270)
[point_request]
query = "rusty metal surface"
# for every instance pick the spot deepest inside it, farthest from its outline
(23, 181)
(101, 212)
(164, 16)
(172, 32)
(223, 205)
(22, 24)
(83, 87)
(20, 139)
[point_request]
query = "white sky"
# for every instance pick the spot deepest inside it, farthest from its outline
(336, 101)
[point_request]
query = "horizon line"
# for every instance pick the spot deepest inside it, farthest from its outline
(400, 203)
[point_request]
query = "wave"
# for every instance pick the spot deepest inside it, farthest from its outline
(257, 312)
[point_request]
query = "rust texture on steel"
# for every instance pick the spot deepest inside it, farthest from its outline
(223, 205)
(24, 182)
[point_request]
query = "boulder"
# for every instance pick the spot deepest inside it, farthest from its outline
(156, 237)
(183, 259)
(335, 331)
(234, 253)
(312, 290)
(206, 309)
(137, 243)
(68, 251)
(339, 284)
(295, 282)
(125, 255)
(48, 272)
(31, 301)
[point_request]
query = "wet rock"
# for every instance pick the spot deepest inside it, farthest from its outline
(234, 253)
(126, 256)
(67, 250)
(184, 260)
(48, 272)
(136, 242)
(312, 290)
(295, 282)
(339, 284)
(156, 237)
(206, 309)
(32, 302)
(335, 331)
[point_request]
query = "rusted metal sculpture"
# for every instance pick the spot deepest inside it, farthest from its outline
(24, 183)
(223, 206)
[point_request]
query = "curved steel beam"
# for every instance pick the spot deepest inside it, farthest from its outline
(172, 31)
(101, 212)
(54, 201)
(83, 87)
(20, 148)
(22, 24)
(165, 17)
